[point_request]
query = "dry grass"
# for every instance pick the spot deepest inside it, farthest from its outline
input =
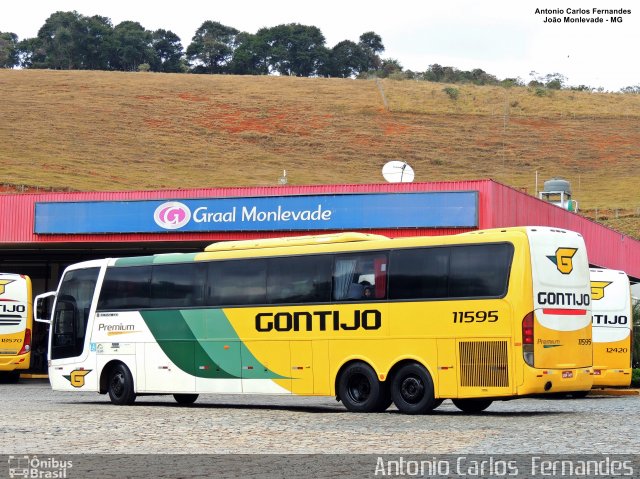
(119, 131)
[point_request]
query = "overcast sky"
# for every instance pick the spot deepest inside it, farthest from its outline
(504, 38)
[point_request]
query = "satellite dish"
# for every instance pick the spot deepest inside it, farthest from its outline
(398, 172)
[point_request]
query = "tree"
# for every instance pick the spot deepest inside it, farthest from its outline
(97, 42)
(293, 49)
(554, 81)
(168, 52)
(372, 45)
(9, 50)
(31, 53)
(347, 59)
(251, 56)
(389, 66)
(212, 47)
(60, 38)
(132, 45)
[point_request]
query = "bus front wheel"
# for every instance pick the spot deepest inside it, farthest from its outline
(412, 389)
(359, 389)
(472, 405)
(185, 398)
(121, 391)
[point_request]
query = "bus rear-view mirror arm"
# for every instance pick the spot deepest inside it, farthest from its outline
(42, 307)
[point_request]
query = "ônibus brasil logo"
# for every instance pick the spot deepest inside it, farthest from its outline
(172, 215)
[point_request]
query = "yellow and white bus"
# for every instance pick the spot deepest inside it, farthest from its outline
(612, 327)
(475, 317)
(15, 325)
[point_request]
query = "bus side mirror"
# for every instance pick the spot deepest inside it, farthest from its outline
(42, 307)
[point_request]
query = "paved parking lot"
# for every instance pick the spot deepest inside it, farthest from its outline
(38, 420)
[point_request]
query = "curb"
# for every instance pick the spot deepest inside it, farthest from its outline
(34, 376)
(614, 392)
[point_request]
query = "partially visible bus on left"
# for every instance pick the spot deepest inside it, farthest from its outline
(15, 325)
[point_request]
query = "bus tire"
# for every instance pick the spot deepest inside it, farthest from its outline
(10, 377)
(579, 394)
(472, 405)
(185, 398)
(412, 389)
(359, 389)
(385, 397)
(120, 386)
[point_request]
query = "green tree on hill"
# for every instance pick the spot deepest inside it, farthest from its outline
(97, 43)
(347, 59)
(251, 56)
(372, 45)
(9, 57)
(294, 49)
(168, 56)
(61, 38)
(212, 47)
(132, 46)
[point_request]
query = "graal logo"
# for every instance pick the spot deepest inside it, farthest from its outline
(172, 215)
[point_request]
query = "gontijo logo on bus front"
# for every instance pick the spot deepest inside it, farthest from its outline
(597, 289)
(3, 283)
(563, 259)
(172, 215)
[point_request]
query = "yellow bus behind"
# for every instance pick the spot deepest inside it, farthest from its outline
(612, 328)
(15, 325)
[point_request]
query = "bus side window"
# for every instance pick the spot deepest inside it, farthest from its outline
(360, 276)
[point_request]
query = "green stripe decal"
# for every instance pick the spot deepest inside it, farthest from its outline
(202, 342)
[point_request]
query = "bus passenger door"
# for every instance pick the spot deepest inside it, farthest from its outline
(301, 367)
(72, 365)
(266, 367)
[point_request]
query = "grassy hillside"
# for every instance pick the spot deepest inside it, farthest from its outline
(119, 131)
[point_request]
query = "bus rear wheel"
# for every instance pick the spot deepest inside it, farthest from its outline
(121, 391)
(412, 389)
(579, 394)
(10, 377)
(359, 389)
(185, 398)
(472, 405)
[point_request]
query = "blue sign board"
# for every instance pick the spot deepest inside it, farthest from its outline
(455, 209)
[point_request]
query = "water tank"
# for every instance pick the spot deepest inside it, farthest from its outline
(557, 185)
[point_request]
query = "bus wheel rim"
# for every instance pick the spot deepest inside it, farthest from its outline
(412, 389)
(359, 388)
(117, 384)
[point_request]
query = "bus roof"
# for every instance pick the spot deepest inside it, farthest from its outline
(293, 241)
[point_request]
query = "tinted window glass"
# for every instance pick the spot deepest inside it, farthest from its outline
(303, 279)
(238, 282)
(71, 313)
(360, 277)
(178, 285)
(480, 270)
(419, 273)
(125, 288)
(470, 271)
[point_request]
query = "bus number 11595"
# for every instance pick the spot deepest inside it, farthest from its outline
(475, 316)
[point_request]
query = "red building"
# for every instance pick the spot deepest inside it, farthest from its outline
(42, 233)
